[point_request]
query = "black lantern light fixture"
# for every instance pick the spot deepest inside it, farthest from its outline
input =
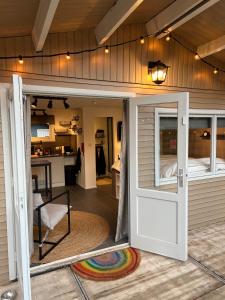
(158, 71)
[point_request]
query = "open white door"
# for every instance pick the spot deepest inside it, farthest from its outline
(20, 191)
(159, 212)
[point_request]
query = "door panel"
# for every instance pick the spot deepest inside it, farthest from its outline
(158, 148)
(19, 184)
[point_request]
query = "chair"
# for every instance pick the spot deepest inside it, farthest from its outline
(35, 178)
(49, 215)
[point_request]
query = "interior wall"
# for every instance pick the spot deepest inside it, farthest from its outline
(89, 116)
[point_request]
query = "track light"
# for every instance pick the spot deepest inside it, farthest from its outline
(106, 49)
(50, 104)
(66, 105)
(20, 60)
(215, 71)
(34, 103)
(142, 40)
(68, 55)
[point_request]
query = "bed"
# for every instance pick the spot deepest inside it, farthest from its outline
(196, 166)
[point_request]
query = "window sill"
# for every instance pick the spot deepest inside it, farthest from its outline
(193, 178)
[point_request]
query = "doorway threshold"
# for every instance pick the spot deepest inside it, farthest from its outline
(37, 270)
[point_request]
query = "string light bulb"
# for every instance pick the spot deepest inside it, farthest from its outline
(68, 55)
(168, 37)
(197, 57)
(142, 40)
(215, 71)
(20, 60)
(106, 49)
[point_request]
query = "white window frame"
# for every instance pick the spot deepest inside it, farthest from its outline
(195, 113)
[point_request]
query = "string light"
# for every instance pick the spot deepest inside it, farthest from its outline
(168, 38)
(106, 49)
(68, 55)
(20, 60)
(197, 57)
(142, 40)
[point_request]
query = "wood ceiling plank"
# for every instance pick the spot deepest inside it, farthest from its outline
(176, 15)
(211, 47)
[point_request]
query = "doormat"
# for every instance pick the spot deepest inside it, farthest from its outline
(109, 266)
(88, 231)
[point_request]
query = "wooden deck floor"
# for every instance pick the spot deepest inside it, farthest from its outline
(157, 277)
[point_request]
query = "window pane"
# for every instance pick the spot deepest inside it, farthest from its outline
(168, 147)
(220, 145)
(199, 161)
(160, 162)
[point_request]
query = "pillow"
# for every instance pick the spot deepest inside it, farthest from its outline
(37, 201)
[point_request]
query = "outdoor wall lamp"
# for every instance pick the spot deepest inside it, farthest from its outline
(158, 71)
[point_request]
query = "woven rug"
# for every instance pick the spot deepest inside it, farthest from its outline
(88, 231)
(109, 266)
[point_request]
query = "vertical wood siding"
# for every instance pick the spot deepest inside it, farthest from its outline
(3, 226)
(126, 63)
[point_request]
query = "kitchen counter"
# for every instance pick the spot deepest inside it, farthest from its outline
(52, 155)
(58, 163)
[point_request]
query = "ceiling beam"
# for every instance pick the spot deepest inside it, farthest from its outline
(211, 47)
(175, 15)
(114, 18)
(43, 21)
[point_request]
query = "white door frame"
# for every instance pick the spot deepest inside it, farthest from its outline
(60, 91)
(159, 201)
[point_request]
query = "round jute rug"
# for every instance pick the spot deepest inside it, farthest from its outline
(87, 232)
(109, 266)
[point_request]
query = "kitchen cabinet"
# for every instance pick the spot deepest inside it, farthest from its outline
(57, 163)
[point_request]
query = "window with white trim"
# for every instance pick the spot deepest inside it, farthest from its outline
(206, 147)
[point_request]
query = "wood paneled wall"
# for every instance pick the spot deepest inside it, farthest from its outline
(4, 274)
(126, 63)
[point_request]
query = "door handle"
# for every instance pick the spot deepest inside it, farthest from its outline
(181, 178)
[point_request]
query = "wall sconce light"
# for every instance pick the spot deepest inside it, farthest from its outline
(206, 134)
(158, 71)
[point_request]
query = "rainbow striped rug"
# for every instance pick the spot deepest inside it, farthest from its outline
(109, 266)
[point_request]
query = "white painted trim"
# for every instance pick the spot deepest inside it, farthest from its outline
(43, 21)
(121, 10)
(73, 259)
(63, 91)
(8, 183)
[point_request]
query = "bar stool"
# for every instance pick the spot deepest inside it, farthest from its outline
(35, 178)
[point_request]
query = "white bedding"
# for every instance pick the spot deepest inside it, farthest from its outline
(196, 166)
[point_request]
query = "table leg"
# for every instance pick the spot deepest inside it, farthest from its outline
(50, 179)
(46, 180)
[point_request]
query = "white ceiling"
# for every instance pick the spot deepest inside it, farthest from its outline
(80, 102)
